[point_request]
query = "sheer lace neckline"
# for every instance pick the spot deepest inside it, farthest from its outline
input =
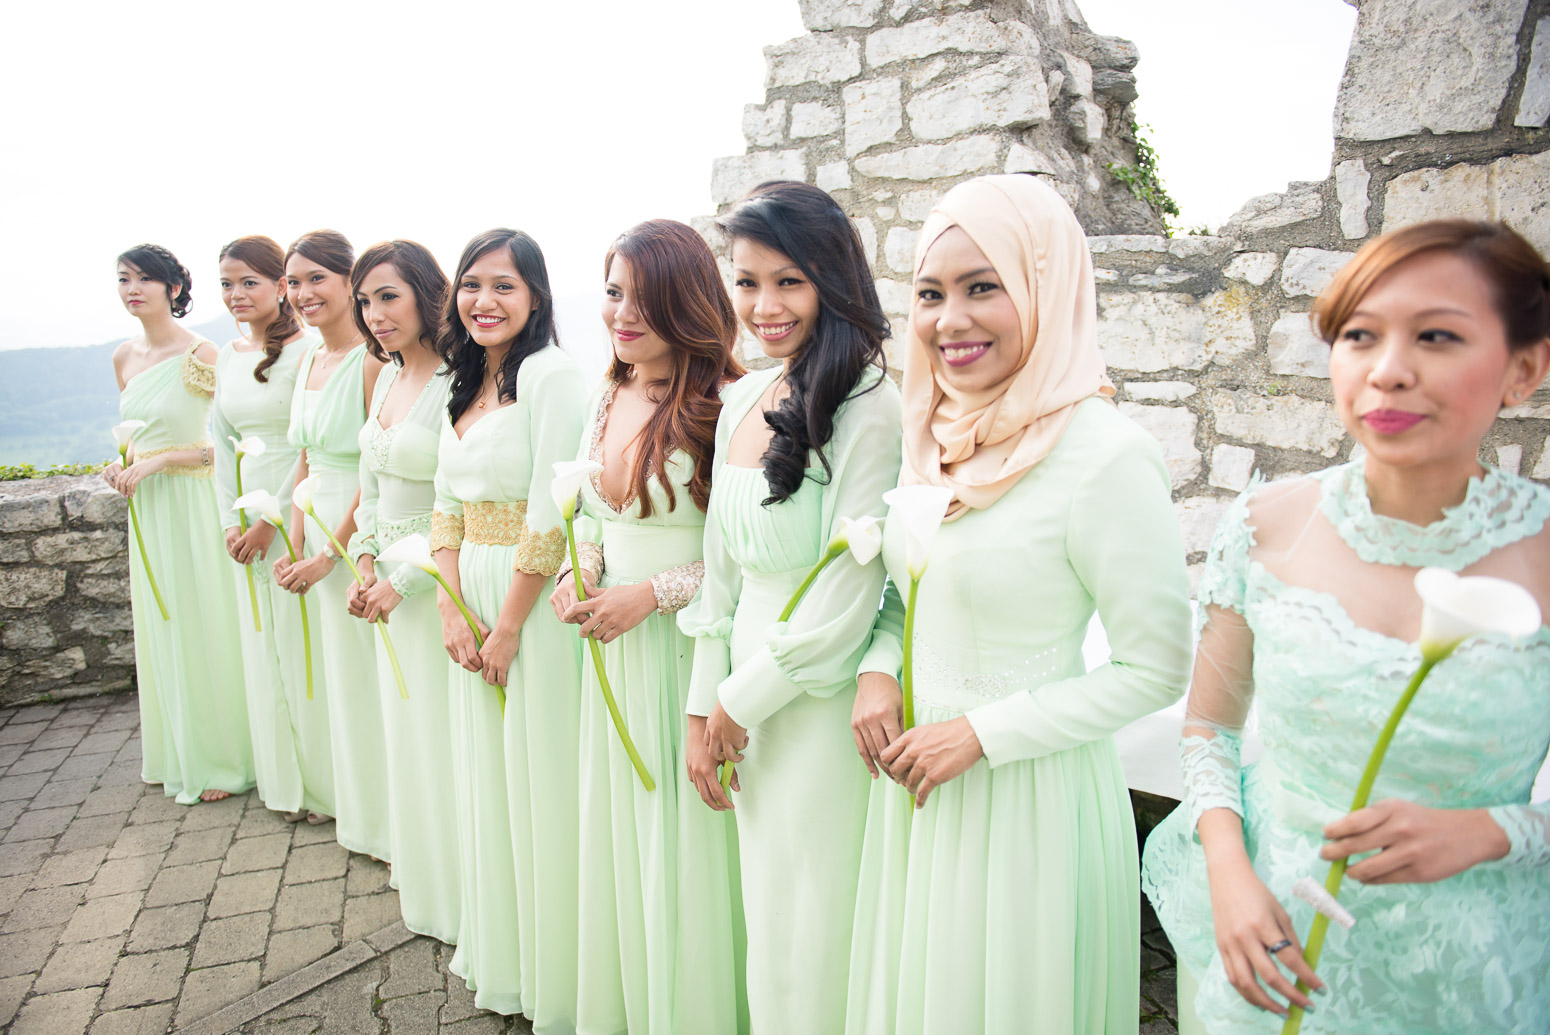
(1498, 509)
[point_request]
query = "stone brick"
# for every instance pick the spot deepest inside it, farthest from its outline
(27, 513)
(141, 1020)
(94, 502)
(833, 176)
(257, 853)
(811, 59)
(183, 884)
(43, 907)
(38, 761)
(261, 822)
(1534, 104)
(1509, 458)
(105, 588)
(1351, 180)
(109, 799)
(899, 249)
(69, 868)
(412, 970)
(12, 991)
(822, 15)
(1293, 348)
(30, 587)
(36, 823)
(369, 913)
(1460, 191)
(1287, 421)
(968, 33)
(210, 815)
(71, 547)
(933, 161)
(122, 876)
(102, 917)
(1300, 203)
(873, 114)
(198, 846)
(764, 125)
(1231, 467)
(1542, 468)
(244, 893)
(1442, 65)
(80, 965)
(1020, 158)
(1521, 187)
(24, 857)
(366, 876)
(30, 633)
(316, 862)
(1149, 332)
(152, 978)
(289, 951)
(811, 119)
(207, 991)
(306, 905)
(1198, 517)
(414, 1012)
(57, 666)
(1159, 391)
(231, 939)
(22, 732)
(1174, 427)
(1087, 120)
(90, 831)
(166, 927)
(1009, 93)
(143, 839)
(732, 177)
(1307, 271)
(56, 1014)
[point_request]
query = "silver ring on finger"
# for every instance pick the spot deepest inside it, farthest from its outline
(1284, 943)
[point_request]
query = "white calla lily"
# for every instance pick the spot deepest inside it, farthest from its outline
(301, 495)
(863, 537)
(412, 549)
(569, 477)
(251, 445)
(1454, 608)
(124, 432)
(921, 509)
(264, 502)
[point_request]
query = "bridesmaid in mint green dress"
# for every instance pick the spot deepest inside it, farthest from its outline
(784, 689)
(254, 381)
(399, 291)
(518, 405)
(333, 390)
(661, 921)
(1008, 901)
(193, 716)
(1309, 613)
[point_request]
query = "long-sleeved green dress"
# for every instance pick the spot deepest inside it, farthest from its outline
(193, 715)
(661, 932)
(291, 750)
(326, 422)
(801, 810)
(514, 779)
(1010, 902)
(398, 469)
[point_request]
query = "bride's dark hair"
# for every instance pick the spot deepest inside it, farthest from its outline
(807, 226)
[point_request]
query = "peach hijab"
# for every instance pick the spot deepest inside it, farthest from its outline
(980, 443)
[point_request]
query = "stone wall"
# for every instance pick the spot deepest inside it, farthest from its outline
(1442, 111)
(65, 627)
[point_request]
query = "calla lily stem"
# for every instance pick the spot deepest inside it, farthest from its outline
(1315, 943)
(602, 675)
(473, 626)
(387, 641)
(242, 525)
(306, 629)
(145, 562)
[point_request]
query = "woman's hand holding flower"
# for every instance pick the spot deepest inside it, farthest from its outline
(137, 472)
(924, 758)
(564, 596)
(500, 646)
(607, 614)
(304, 574)
(459, 640)
(243, 547)
(877, 718)
(380, 598)
(702, 767)
(1415, 844)
(725, 738)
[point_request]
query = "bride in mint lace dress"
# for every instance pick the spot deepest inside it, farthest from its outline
(1309, 609)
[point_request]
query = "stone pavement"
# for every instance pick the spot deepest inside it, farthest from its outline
(124, 913)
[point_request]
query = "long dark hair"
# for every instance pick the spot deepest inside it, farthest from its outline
(163, 267)
(422, 275)
(263, 256)
(680, 296)
(807, 226)
(463, 354)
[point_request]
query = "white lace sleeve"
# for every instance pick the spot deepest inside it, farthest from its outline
(1528, 833)
(1213, 778)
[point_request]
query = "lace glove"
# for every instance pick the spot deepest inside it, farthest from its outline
(1528, 833)
(1213, 775)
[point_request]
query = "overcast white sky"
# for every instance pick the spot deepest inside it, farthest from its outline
(190, 123)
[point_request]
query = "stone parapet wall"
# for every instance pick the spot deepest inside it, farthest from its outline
(65, 626)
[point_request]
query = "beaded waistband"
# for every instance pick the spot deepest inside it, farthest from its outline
(494, 522)
(390, 532)
(182, 470)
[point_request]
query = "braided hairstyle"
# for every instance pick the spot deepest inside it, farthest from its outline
(807, 226)
(162, 266)
(263, 256)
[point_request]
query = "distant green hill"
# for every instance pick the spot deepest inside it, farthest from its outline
(58, 406)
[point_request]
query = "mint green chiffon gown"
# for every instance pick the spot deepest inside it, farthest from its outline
(1307, 568)
(514, 777)
(398, 470)
(326, 422)
(802, 807)
(1010, 902)
(661, 938)
(291, 749)
(193, 713)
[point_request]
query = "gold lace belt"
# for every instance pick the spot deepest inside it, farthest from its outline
(194, 470)
(494, 522)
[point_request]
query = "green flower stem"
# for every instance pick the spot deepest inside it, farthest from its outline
(145, 562)
(1315, 942)
(301, 598)
(242, 525)
(908, 674)
(387, 641)
(602, 675)
(473, 627)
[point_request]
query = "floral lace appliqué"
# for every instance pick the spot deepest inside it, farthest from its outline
(194, 470)
(1498, 509)
(198, 376)
(446, 531)
(675, 587)
(540, 553)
